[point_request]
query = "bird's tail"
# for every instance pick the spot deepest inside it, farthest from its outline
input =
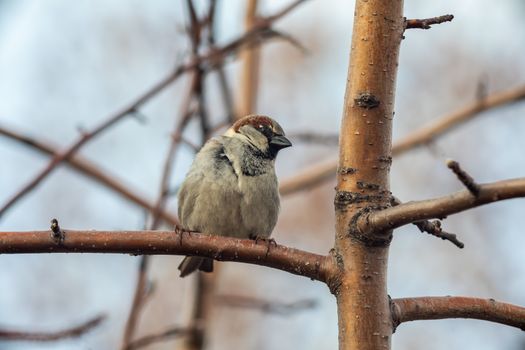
(194, 263)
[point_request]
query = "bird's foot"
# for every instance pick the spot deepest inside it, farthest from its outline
(269, 241)
(181, 231)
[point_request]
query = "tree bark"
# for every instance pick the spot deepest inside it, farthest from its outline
(363, 176)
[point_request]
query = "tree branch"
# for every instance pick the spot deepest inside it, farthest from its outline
(89, 169)
(52, 336)
(434, 308)
(319, 173)
(212, 59)
(298, 262)
(159, 337)
(427, 22)
(441, 207)
(464, 177)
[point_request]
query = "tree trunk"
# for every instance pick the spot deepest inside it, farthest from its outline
(365, 320)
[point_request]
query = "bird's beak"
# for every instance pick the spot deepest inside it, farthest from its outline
(280, 142)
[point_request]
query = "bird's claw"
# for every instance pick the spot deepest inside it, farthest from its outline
(269, 242)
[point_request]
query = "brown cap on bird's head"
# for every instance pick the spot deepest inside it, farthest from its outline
(257, 121)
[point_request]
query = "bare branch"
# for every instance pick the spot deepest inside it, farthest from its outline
(298, 262)
(52, 336)
(210, 60)
(433, 228)
(434, 308)
(448, 122)
(159, 337)
(266, 306)
(89, 169)
(464, 177)
(441, 207)
(427, 22)
(139, 299)
(319, 173)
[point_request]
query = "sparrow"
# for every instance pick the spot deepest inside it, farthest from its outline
(231, 188)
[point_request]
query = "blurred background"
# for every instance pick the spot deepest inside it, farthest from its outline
(65, 66)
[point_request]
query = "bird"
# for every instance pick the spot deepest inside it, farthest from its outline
(231, 188)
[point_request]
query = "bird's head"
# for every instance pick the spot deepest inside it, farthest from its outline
(260, 131)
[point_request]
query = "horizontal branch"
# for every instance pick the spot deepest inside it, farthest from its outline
(319, 173)
(434, 308)
(441, 207)
(75, 331)
(298, 262)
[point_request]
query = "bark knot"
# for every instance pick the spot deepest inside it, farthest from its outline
(366, 100)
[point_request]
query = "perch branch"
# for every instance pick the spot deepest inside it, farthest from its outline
(298, 262)
(441, 207)
(51, 336)
(426, 23)
(434, 308)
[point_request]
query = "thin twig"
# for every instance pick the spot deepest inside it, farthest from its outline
(138, 302)
(433, 228)
(72, 332)
(298, 262)
(464, 177)
(159, 337)
(426, 23)
(435, 308)
(266, 306)
(210, 60)
(89, 169)
(315, 138)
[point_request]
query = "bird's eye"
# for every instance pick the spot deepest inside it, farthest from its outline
(260, 127)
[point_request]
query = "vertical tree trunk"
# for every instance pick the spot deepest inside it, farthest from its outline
(363, 175)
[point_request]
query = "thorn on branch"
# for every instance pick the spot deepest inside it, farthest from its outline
(57, 234)
(426, 23)
(464, 177)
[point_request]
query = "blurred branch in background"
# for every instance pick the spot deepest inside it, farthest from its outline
(435, 308)
(72, 332)
(250, 64)
(88, 168)
(159, 337)
(319, 173)
(211, 60)
(266, 306)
